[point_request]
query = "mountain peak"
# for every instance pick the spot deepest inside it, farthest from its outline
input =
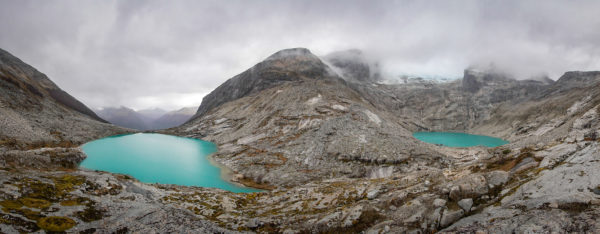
(292, 53)
(286, 65)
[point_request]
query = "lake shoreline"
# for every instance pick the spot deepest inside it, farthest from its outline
(227, 174)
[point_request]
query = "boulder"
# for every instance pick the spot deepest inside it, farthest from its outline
(470, 186)
(449, 217)
(466, 204)
(439, 202)
(497, 178)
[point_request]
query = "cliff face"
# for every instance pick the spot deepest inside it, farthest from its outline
(35, 112)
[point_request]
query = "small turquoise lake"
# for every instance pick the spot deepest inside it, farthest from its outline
(158, 158)
(456, 139)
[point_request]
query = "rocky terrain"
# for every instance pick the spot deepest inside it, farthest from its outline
(336, 155)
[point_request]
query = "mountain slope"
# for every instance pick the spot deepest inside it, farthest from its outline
(35, 111)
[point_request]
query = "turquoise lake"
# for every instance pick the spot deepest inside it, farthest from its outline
(456, 139)
(158, 158)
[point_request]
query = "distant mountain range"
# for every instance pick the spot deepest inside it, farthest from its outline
(147, 119)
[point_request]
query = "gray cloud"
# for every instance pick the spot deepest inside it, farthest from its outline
(169, 54)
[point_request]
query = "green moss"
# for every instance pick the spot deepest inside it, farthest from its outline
(37, 189)
(35, 203)
(66, 183)
(55, 224)
(506, 151)
(11, 204)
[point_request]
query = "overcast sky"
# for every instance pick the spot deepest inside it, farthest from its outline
(169, 54)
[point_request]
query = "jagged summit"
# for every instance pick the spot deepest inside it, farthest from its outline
(284, 66)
